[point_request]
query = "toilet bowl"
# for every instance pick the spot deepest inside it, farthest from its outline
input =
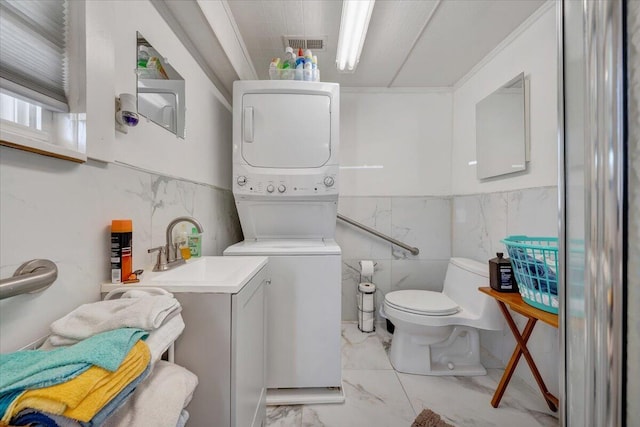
(436, 333)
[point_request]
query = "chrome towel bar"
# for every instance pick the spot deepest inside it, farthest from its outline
(413, 250)
(31, 277)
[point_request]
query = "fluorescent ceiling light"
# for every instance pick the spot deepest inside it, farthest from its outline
(353, 29)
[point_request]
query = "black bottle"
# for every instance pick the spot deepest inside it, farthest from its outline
(501, 276)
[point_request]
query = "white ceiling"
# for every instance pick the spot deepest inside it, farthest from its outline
(410, 43)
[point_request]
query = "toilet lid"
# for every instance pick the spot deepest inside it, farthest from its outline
(422, 302)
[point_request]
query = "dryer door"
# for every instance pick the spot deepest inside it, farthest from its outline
(286, 130)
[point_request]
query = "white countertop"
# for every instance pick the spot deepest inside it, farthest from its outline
(209, 274)
(275, 247)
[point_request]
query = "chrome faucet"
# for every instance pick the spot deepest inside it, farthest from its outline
(169, 256)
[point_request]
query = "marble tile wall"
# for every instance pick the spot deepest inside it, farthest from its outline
(423, 222)
(62, 211)
(479, 223)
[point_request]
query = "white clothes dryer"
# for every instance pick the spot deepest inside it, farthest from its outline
(285, 184)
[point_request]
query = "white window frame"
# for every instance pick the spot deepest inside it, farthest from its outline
(61, 134)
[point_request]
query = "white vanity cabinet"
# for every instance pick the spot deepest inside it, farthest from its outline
(224, 345)
(224, 309)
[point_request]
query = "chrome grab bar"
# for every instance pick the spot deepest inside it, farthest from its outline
(31, 277)
(413, 250)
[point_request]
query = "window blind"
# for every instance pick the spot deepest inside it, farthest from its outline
(33, 50)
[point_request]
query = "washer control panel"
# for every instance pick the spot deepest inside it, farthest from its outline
(288, 185)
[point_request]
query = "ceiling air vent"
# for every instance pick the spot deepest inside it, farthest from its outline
(316, 44)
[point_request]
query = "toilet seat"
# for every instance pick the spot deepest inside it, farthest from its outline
(422, 302)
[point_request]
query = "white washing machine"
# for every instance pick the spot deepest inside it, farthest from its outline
(303, 311)
(285, 184)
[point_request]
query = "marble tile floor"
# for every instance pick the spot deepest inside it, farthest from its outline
(378, 396)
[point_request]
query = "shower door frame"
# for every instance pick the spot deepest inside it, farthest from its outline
(602, 325)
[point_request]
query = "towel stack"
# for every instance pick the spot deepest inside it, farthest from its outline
(94, 360)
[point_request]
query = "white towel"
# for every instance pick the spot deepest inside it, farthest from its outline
(160, 339)
(139, 293)
(147, 312)
(158, 401)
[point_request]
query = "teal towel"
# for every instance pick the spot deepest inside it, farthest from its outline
(6, 399)
(43, 368)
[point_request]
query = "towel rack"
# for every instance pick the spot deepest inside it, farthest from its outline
(413, 250)
(31, 277)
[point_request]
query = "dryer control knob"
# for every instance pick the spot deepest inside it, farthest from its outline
(242, 180)
(328, 181)
(270, 188)
(281, 188)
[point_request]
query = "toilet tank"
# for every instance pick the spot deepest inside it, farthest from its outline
(464, 277)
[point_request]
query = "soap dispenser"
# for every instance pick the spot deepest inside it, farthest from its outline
(195, 243)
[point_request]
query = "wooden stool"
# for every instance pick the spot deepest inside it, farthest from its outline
(515, 302)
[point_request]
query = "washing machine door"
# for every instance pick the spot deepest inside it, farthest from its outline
(286, 219)
(286, 130)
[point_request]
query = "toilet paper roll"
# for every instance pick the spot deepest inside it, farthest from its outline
(365, 303)
(367, 288)
(365, 296)
(366, 268)
(365, 321)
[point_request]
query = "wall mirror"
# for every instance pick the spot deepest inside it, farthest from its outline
(502, 130)
(160, 89)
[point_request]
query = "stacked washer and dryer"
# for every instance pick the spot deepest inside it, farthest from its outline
(285, 184)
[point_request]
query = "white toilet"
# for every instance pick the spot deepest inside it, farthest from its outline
(436, 333)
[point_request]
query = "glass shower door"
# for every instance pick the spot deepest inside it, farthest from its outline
(573, 293)
(593, 219)
(633, 194)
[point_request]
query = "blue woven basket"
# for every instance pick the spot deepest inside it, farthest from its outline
(535, 267)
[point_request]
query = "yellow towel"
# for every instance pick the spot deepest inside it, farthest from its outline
(110, 387)
(56, 399)
(82, 397)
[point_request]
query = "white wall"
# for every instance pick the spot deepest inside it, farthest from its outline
(208, 133)
(407, 132)
(533, 52)
(149, 146)
(62, 211)
(524, 203)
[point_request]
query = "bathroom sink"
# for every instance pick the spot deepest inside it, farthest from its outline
(209, 274)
